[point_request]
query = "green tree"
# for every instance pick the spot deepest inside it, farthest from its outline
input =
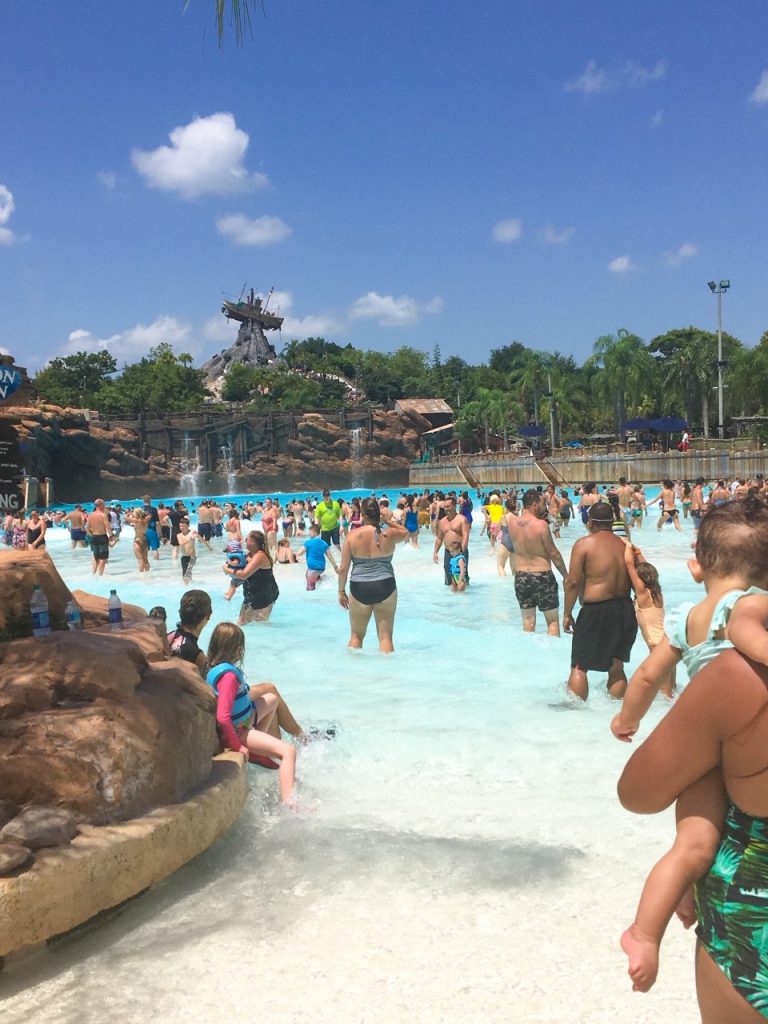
(160, 382)
(627, 371)
(688, 369)
(75, 380)
(238, 383)
(530, 379)
(509, 358)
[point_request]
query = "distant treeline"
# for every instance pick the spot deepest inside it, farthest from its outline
(673, 374)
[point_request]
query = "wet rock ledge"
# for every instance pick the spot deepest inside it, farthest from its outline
(109, 774)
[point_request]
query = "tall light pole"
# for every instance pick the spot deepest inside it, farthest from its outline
(551, 397)
(458, 406)
(718, 289)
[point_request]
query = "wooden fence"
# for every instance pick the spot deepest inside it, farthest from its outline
(499, 468)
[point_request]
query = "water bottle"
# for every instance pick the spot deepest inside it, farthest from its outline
(115, 606)
(72, 614)
(38, 606)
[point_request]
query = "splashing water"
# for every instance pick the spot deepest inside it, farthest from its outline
(191, 469)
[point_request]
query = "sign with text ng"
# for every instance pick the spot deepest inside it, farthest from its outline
(10, 381)
(11, 469)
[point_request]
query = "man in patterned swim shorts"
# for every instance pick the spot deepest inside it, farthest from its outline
(535, 583)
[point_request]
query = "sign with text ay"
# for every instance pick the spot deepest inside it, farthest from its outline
(11, 469)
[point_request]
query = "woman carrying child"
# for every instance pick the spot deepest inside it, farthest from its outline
(260, 590)
(732, 563)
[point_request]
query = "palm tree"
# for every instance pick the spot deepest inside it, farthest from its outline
(627, 370)
(239, 16)
(531, 380)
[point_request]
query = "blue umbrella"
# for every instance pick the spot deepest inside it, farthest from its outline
(532, 431)
(668, 425)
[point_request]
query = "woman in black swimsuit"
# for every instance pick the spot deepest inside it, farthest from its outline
(36, 528)
(373, 590)
(260, 590)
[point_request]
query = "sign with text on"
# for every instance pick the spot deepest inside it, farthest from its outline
(10, 381)
(11, 470)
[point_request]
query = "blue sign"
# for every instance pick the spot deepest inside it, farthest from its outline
(10, 381)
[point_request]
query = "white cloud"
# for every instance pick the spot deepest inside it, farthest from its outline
(657, 119)
(7, 206)
(107, 180)
(136, 342)
(205, 158)
(389, 311)
(220, 329)
(261, 231)
(635, 76)
(592, 79)
(322, 325)
(595, 79)
(549, 235)
(760, 92)
(507, 230)
(683, 252)
(4, 351)
(621, 265)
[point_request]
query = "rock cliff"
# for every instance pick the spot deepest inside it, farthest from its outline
(92, 458)
(101, 722)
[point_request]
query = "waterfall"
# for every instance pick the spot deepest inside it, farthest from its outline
(356, 454)
(228, 465)
(190, 467)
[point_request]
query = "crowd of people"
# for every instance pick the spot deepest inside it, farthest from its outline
(707, 752)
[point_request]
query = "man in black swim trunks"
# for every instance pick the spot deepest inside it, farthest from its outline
(606, 628)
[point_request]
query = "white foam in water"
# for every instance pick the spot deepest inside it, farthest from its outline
(467, 859)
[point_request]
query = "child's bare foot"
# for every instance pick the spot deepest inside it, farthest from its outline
(686, 910)
(643, 954)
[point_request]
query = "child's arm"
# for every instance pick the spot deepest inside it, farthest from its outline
(629, 561)
(227, 687)
(643, 687)
(748, 627)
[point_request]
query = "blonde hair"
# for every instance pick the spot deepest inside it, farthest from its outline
(227, 643)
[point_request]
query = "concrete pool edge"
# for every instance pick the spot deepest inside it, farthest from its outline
(108, 864)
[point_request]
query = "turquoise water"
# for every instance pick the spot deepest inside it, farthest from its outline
(466, 859)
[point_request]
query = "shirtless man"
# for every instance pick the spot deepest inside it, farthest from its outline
(606, 628)
(535, 552)
(187, 540)
(589, 497)
(697, 502)
(625, 492)
(720, 494)
(205, 523)
(554, 503)
(666, 500)
(452, 527)
(76, 520)
(97, 528)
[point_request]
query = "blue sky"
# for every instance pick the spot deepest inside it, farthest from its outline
(402, 173)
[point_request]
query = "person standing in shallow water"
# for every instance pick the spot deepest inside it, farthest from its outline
(606, 627)
(260, 590)
(453, 526)
(535, 553)
(372, 588)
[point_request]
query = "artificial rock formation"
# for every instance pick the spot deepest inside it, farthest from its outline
(19, 571)
(97, 722)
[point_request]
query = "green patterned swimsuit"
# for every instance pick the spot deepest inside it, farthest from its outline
(732, 898)
(732, 907)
